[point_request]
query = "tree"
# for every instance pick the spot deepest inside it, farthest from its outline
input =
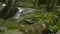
(50, 5)
(9, 9)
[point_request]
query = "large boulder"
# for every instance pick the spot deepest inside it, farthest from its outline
(58, 32)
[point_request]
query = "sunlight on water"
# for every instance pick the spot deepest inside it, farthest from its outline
(3, 4)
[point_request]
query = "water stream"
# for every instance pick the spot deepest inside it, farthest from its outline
(20, 12)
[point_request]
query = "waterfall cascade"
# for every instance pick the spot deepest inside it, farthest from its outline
(22, 12)
(17, 15)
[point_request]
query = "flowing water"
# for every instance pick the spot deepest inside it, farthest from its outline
(22, 12)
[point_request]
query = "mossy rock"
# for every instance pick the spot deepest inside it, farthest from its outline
(1, 31)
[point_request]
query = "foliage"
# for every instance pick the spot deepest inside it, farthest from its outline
(53, 28)
(13, 27)
(45, 11)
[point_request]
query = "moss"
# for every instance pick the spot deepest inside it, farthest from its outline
(12, 27)
(2, 30)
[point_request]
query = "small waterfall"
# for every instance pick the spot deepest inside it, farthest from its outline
(17, 15)
(22, 12)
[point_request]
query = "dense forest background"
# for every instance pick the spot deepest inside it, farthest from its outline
(29, 16)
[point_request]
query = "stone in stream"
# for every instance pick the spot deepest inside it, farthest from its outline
(2, 29)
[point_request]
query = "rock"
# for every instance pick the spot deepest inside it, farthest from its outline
(1, 31)
(12, 32)
(34, 28)
(58, 32)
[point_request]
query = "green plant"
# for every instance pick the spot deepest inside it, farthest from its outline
(53, 28)
(12, 27)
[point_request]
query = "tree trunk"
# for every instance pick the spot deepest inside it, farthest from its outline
(9, 9)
